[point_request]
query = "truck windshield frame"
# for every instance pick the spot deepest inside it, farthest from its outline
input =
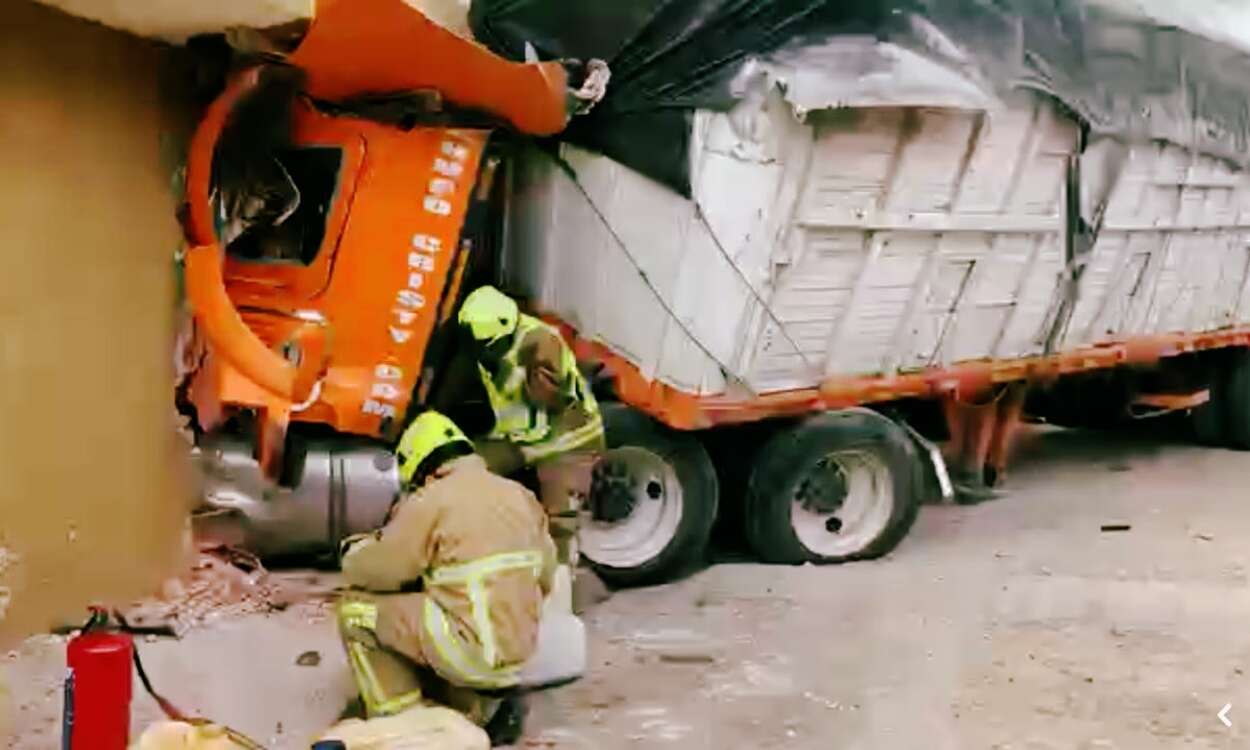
(316, 171)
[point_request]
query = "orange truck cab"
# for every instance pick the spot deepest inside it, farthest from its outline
(339, 331)
(338, 334)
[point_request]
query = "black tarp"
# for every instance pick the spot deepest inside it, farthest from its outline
(1123, 74)
(667, 57)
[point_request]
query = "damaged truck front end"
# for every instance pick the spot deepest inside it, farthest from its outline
(329, 217)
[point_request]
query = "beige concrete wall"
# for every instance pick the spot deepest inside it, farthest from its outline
(177, 19)
(92, 497)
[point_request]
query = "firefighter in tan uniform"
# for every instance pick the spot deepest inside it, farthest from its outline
(453, 585)
(545, 413)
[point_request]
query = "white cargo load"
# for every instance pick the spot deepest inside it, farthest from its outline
(875, 241)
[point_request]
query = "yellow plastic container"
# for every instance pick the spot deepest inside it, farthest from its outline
(418, 728)
(177, 735)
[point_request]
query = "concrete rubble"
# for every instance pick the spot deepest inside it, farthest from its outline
(224, 583)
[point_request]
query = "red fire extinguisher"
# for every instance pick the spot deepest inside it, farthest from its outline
(99, 685)
(98, 688)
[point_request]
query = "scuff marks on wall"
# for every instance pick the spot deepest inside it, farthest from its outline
(8, 563)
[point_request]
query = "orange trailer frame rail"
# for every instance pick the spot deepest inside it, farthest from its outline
(686, 411)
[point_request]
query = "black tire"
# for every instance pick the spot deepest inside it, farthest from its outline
(1232, 399)
(1224, 421)
(692, 468)
(785, 464)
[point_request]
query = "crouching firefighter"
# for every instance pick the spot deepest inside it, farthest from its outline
(545, 413)
(453, 586)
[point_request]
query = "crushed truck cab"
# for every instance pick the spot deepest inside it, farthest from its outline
(327, 315)
(337, 335)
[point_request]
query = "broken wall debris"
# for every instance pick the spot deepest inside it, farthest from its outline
(223, 583)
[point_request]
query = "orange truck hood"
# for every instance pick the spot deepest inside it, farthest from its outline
(357, 47)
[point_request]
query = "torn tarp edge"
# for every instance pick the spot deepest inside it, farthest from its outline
(1124, 73)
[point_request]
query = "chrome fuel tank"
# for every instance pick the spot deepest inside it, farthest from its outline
(341, 490)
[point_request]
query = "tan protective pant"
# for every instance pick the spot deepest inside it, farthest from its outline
(393, 677)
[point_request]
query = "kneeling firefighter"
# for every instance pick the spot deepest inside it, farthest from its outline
(545, 413)
(453, 585)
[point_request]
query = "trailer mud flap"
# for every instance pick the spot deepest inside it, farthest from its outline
(935, 463)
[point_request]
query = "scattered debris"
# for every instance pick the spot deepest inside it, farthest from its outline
(1109, 527)
(687, 658)
(309, 659)
(224, 582)
(832, 705)
(674, 646)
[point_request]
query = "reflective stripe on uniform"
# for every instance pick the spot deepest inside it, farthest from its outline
(359, 615)
(565, 442)
(515, 418)
(485, 566)
(364, 616)
(476, 668)
(469, 671)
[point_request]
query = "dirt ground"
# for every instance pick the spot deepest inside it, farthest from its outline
(1017, 624)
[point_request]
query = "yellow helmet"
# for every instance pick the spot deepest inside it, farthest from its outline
(428, 434)
(489, 314)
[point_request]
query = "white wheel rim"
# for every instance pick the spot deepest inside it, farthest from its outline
(653, 520)
(861, 517)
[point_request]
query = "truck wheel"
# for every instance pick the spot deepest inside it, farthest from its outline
(652, 501)
(1232, 400)
(836, 487)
